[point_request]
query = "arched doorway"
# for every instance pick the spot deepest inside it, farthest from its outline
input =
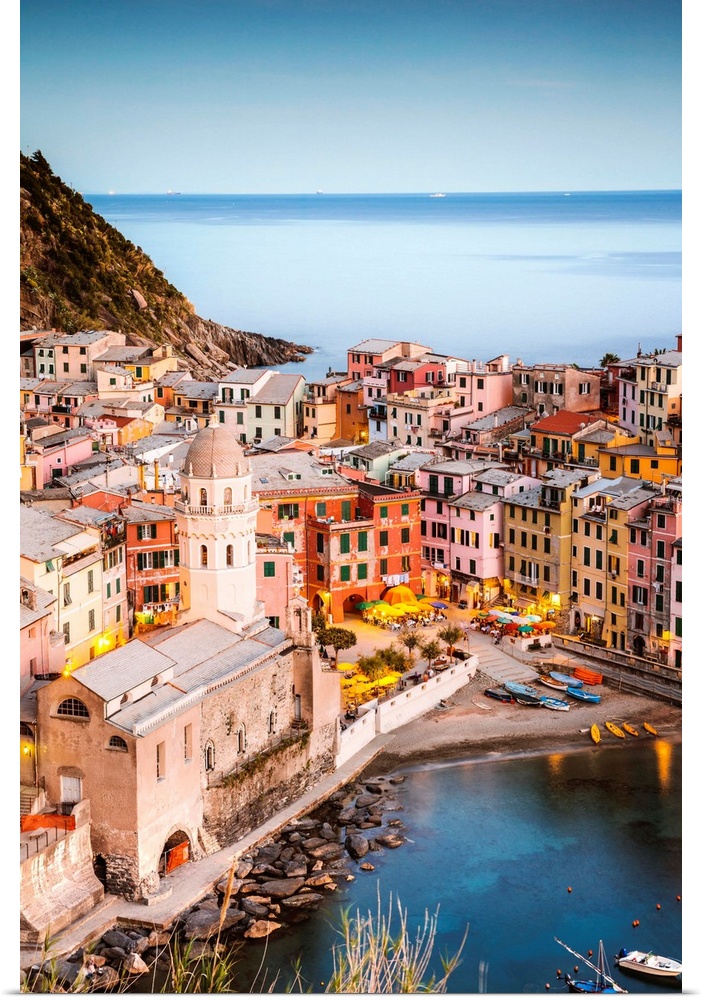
(176, 851)
(638, 645)
(351, 602)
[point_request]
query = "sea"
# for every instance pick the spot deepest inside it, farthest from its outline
(564, 276)
(517, 852)
(514, 853)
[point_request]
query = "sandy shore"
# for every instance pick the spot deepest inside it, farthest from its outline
(479, 727)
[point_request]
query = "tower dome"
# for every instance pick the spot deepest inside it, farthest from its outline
(215, 453)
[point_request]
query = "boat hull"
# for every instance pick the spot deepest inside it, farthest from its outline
(649, 729)
(615, 730)
(550, 683)
(499, 694)
(580, 695)
(645, 964)
(631, 730)
(566, 679)
(595, 734)
(555, 704)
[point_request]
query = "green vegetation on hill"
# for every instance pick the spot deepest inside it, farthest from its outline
(79, 273)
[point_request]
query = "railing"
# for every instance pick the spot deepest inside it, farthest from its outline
(223, 511)
(626, 670)
(39, 840)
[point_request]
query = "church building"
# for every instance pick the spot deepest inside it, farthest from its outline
(189, 736)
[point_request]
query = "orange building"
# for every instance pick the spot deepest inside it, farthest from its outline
(153, 578)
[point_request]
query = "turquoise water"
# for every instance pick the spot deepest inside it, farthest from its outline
(494, 847)
(541, 277)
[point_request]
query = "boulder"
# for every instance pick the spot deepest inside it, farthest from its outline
(261, 928)
(118, 939)
(357, 845)
(304, 901)
(295, 867)
(106, 978)
(243, 868)
(391, 840)
(328, 852)
(134, 965)
(254, 908)
(316, 881)
(281, 888)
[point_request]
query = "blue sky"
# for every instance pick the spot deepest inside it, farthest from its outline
(353, 95)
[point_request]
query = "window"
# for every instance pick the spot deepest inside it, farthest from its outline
(188, 742)
(91, 620)
(108, 590)
(345, 543)
(203, 555)
(321, 509)
(383, 567)
(383, 538)
(363, 541)
(640, 595)
(73, 708)
(66, 594)
(230, 555)
(258, 412)
(584, 388)
(269, 569)
(406, 562)
(66, 632)
(117, 743)
(362, 571)
(405, 535)
(288, 510)
(149, 530)
(320, 542)
(320, 573)
(345, 574)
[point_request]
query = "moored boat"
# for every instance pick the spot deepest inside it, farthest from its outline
(603, 983)
(549, 682)
(646, 963)
(499, 694)
(649, 729)
(628, 728)
(615, 730)
(595, 733)
(566, 679)
(556, 704)
(524, 694)
(580, 694)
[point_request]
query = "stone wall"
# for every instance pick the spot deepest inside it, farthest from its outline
(249, 797)
(58, 885)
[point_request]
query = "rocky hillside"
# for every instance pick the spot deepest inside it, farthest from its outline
(79, 273)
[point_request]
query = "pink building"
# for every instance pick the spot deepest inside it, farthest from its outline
(54, 454)
(278, 578)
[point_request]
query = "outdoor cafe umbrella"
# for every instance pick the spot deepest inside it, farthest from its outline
(399, 595)
(438, 604)
(525, 628)
(364, 605)
(533, 618)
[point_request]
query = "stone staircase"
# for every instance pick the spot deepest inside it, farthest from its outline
(500, 667)
(27, 798)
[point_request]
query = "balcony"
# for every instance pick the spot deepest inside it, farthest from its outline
(222, 511)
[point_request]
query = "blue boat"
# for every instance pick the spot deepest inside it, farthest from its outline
(582, 695)
(602, 983)
(566, 679)
(524, 694)
(557, 704)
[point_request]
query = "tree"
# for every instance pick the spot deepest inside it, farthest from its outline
(450, 634)
(431, 649)
(338, 638)
(609, 359)
(410, 640)
(373, 666)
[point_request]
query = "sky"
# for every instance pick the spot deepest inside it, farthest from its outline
(344, 96)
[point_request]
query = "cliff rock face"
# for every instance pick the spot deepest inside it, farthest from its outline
(79, 273)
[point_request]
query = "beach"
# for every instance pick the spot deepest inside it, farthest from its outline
(473, 726)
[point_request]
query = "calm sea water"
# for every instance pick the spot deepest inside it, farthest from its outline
(560, 276)
(494, 846)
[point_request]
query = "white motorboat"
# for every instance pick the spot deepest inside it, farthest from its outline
(648, 964)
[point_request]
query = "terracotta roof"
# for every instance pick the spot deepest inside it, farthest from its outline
(563, 422)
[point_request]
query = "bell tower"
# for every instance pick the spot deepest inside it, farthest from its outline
(216, 518)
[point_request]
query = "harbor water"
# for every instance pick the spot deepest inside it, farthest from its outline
(576, 846)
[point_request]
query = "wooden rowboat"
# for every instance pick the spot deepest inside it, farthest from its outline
(628, 728)
(649, 729)
(615, 730)
(551, 683)
(595, 733)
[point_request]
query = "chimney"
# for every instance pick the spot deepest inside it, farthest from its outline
(678, 340)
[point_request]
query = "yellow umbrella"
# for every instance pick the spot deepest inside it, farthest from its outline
(394, 612)
(399, 595)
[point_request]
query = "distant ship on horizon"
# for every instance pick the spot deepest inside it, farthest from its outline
(438, 194)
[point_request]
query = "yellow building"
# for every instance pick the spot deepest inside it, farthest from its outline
(654, 464)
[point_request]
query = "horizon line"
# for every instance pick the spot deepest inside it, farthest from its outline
(561, 192)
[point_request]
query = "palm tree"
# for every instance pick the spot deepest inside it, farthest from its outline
(450, 634)
(609, 359)
(410, 640)
(431, 649)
